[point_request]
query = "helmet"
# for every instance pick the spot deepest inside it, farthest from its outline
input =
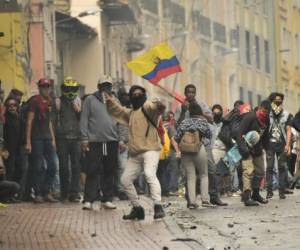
(70, 88)
(70, 82)
(252, 138)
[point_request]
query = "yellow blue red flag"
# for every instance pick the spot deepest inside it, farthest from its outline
(157, 63)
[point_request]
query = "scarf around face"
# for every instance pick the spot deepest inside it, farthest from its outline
(276, 109)
(262, 118)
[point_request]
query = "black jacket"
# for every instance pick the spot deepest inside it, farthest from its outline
(251, 123)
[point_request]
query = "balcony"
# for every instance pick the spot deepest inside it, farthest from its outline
(174, 11)
(119, 11)
(10, 6)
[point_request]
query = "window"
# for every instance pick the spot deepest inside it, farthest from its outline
(267, 56)
(248, 2)
(250, 98)
(242, 93)
(259, 98)
(285, 41)
(248, 50)
(150, 5)
(234, 38)
(219, 32)
(265, 7)
(104, 60)
(257, 51)
(204, 25)
(109, 63)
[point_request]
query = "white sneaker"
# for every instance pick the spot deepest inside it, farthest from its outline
(87, 206)
(109, 205)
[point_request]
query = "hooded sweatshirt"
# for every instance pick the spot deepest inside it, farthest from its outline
(96, 125)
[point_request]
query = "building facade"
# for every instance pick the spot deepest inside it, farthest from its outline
(287, 41)
(15, 71)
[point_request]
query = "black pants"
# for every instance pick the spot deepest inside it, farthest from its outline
(292, 163)
(69, 152)
(13, 164)
(8, 189)
(102, 162)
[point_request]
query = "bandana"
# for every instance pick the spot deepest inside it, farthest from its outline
(44, 107)
(262, 118)
(138, 101)
(276, 109)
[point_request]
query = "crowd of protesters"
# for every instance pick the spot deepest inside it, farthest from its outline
(107, 145)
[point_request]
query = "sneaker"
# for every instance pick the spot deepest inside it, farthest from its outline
(108, 205)
(193, 206)
(207, 204)
(158, 212)
(50, 198)
(87, 206)
(38, 199)
(136, 213)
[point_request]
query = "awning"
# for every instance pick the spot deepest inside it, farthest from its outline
(71, 24)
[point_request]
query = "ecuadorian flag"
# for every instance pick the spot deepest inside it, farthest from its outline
(157, 63)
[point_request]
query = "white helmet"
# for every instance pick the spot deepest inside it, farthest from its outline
(252, 138)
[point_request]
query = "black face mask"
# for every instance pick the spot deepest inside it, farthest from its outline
(138, 101)
(217, 118)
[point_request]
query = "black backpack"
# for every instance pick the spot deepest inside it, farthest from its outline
(296, 121)
(230, 128)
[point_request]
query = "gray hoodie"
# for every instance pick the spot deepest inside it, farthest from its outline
(96, 125)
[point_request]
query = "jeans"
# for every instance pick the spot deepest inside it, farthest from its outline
(191, 162)
(212, 175)
(282, 169)
(168, 173)
(69, 168)
(148, 162)
(102, 162)
(43, 150)
(121, 167)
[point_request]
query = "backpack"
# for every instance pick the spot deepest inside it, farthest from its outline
(165, 151)
(231, 125)
(190, 142)
(296, 121)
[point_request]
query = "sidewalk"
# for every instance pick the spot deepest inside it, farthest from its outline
(67, 226)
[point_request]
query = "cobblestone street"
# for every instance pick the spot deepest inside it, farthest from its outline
(67, 226)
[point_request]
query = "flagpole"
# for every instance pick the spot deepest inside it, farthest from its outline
(169, 93)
